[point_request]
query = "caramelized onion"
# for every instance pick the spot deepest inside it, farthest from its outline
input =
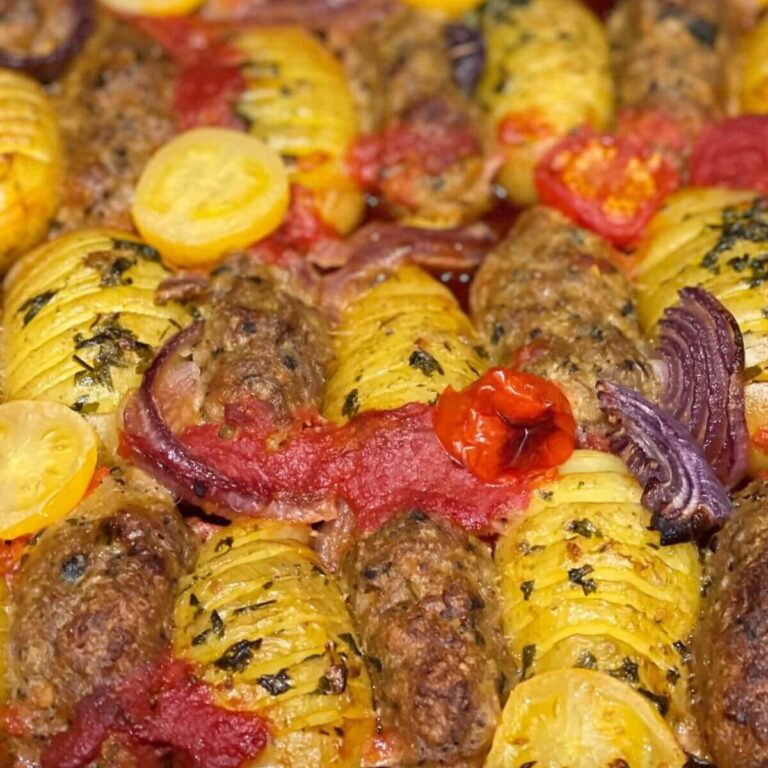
(701, 345)
(679, 486)
(49, 66)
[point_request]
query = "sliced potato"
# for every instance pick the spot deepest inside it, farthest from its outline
(585, 583)
(547, 71)
(81, 322)
(580, 719)
(266, 626)
(405, 340)
(298, 101)
(717, 239)
(30, 165)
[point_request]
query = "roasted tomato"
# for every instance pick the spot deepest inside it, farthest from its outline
(506, 424)
(611, 184)
(733, 153)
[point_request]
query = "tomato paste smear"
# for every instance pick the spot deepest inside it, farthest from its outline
(162, 709)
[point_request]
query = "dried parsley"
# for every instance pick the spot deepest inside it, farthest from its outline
(529, 656)
(238, 656)
(577, 577)
(627, 671)
(31, 307)
(527, 588)
(585, 528)
(586, 660)
(661, 702)
(351, 404)
(349, 639)
(425, 363)
(276, 684)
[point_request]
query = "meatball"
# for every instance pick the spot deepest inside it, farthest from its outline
(549, 299)
(666, 59)
(424, 598)
(92, 600)
(115, 109)
(261, 342)
(731, 642)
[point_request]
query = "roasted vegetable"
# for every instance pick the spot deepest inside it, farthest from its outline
(546, 72)
(81, 323)
(580, 719)
(716, 239)
(731, 644)
(586, 584)
(297, 100)
(30, 165)
(266, 626)
(405, 340)
(753, 76)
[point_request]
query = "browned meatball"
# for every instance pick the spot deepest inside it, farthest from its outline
(261, 342)
(666, 58)
(401, 74)
(92, 600)
(549, 299)
(115, 111)
(731, 643)
(424, 598)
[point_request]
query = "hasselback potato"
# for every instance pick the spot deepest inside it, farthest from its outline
(81, 323)
(715, 238)
(546, 72)
(30, 165)
(263, 623)
(404, 340)
(297, 100)
(580, 719)
(586, 584)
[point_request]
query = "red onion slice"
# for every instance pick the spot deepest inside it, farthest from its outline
(680, 487)
(49, 66)
(702, 346)
(466, 48)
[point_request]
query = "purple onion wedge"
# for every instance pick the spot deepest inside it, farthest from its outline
(703, 351)
(49, 66)
(679, 486)
(466, 48)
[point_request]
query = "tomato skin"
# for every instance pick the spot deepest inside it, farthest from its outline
(506, 425)
(205, 94)
(610, 184)
(732, 153)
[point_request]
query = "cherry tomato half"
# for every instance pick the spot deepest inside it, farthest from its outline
(610, 184)
(733, 153)
(506, 424)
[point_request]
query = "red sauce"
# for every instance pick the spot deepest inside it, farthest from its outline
(163, 710)
(206, 93)
(381, 462)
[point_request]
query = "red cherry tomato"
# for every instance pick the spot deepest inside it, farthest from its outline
(506, 425)
(733, 153)
(610, 184)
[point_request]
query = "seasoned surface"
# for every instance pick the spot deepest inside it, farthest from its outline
(115, 110)
(261, 342)
(33, 26)
(424, 598)
(93, 598)
(549, 299)
(731, 647)
(666, 58)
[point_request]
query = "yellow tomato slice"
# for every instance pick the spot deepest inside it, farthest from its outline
(209, 191)
(48, 458)
(576, 718)
(447, 7)
(153, 7)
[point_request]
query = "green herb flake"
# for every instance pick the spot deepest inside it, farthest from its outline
(586, 660)
(529, 656)
(626, 672)
(276, 684)
(351, 404)
(424, 362)
(527, 588)
(578, 577)
(585, 528)
(31, 307)
(238, 656)
(349, 639)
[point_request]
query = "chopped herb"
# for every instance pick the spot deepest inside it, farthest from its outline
(585, 528)
(224, 545)
(481, 351)
(334, 681)
(596, 333)
(527, 589)
(546, 495)
(217, 625)
(673, 675)
(702, 30)
(83, 405)
(146, 252)
(683, 650)
(349, 639)
(238, 656)
(577, 577)
(424, 362)
(627, 308)
(529, 656)
(31, 307)
(73, 568)
(253, 607)
(276, 684)
(586, 660)
(199, 639)
(627, 672)
(351, 404)
(661, 702)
